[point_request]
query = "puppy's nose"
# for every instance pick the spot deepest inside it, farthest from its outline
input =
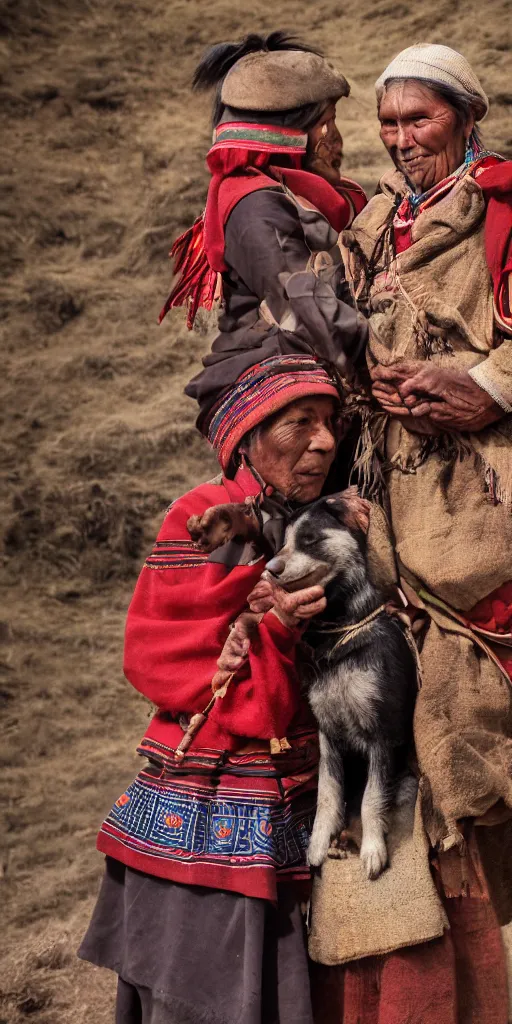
(276, 566)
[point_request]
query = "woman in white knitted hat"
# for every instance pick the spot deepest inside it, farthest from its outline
(429, 261)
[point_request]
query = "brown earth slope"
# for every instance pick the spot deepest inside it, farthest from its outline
(101, 166)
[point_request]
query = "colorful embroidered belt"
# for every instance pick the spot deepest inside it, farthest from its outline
(208, 822)
(303, 757)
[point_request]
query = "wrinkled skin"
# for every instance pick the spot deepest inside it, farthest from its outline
(426, 143)
(292, 609)
(421, 133)
(428, 398)
(325, 147)
(295, 451)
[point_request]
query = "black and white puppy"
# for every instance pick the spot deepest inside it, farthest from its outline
(362, 683)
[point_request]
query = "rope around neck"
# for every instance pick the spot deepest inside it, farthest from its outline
(346, 633)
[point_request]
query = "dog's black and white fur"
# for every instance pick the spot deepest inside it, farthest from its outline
(361, 692)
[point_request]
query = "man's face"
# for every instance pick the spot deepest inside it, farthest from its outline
(325, 147)
(421, 133)
(295, 452)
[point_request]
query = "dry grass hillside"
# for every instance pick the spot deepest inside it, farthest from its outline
(101, 166)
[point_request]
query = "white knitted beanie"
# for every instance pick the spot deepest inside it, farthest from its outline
(437, 63)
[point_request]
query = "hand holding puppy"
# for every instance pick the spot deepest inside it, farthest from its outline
(292, 609)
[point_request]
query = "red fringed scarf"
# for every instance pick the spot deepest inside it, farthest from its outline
(240, 162)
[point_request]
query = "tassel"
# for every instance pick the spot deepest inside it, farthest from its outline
(279, 746)
(430, 339)
(367, 472)
(198, 720)
(193, 727)
(197, 284)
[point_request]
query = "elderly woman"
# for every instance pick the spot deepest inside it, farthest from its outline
(429, 264)
(199, 912)
(275, 201)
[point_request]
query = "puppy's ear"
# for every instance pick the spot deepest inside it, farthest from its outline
(350, 509)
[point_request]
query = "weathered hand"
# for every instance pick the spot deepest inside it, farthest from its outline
(261, 598)
(395, 373)
(385, 390)
(450, 398)
(235, 648)
(429, 398)
(388, 395)
(386, 381)
(394, 406)
(356, 510)
(295, 608)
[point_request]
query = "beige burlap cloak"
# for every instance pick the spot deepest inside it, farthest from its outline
(449, 501)
(353, 917)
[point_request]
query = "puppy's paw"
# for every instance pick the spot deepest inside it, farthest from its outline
(222, 523)
(318, 849)
(374, 855)
(211, 530)
(338, 847)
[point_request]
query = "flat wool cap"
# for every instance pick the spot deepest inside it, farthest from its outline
(281, 80)
(437, 63)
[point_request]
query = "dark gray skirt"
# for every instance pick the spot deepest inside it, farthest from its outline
(192, 955)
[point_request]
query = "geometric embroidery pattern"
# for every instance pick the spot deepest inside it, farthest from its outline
(215, 826)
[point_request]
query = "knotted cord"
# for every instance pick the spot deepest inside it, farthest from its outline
(348, 632)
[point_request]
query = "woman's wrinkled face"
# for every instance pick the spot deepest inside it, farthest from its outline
(421, 133)
(295, 451)
(325, 147)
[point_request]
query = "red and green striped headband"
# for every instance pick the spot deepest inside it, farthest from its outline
(259, 392)
(260, 137)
